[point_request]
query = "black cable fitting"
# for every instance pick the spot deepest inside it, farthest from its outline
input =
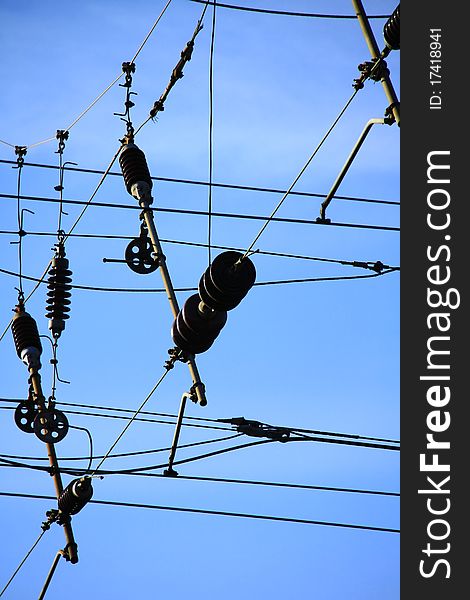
(322, 220)
(389, 116)
(258, 429)
(128, 68)
(62, 136)
(51, 518)
(20, 152)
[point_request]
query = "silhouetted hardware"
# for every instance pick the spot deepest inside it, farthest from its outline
(25, 414)
(75, 496)
(139, 257)
(134, 166)
(197, 326)
(58, 296)
(258, 429)
(51, 425)
(227, 281)
(26, 337)
(392, 30)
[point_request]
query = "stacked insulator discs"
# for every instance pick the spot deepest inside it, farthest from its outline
(75, 496)
(195, 330)
(25, 333)
(134, 166)
(392, 30)
(58, 297)
(227, 281)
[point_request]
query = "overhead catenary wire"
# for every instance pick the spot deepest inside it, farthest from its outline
(193, 289)
(286, 13)
(168, 366)
(211, 131)
(98, 98)
(211, 512)
(296, 486)
(123, 454)
(372, 265)
(206, 183)
(301, 172)
(296, 430)
(7, 585)
(204, 213)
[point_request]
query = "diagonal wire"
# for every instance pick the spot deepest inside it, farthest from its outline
(22, 562)
(149, 395)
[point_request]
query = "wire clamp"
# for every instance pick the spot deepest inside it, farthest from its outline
(62, 136)
(52, 516)
(20, 152)
(389, 116)
(258, 429)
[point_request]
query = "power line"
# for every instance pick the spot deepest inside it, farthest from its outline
(301, 172)
(168, 366)
(353, 263)
(203, 213)
(211, 157)
(24, 559)
(299, 486)
(211, 512)
(194, 289)
(206, 183)
(297, 430)
(285, 12)
(123, 454)
(296, 486)
(90, 106)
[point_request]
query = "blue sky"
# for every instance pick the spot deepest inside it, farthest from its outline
(315, 355)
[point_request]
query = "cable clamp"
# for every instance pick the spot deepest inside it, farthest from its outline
(20, 152)
(52, 516)
(62, 136)
(389, 116)
(258, 429)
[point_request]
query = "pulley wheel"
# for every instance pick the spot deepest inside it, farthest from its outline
(25, 414)
(211, 296)
(139, 256)
(230, 277)
(51, 426)
(205, 324)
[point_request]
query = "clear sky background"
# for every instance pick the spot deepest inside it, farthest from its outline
(319, 355)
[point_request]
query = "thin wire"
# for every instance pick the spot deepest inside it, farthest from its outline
(87, 204)
(141, 419)
(97, 99)
(211, 512)
(299, 486)
(211, 131)
(194, 289)
(286, 13)
(151, 31)
(149, 395)
(205, 183)
(122, 454)
(24, 559)
(214, 214)
(90, 440)
(20, 223)
(7, 144)
(353, 263)
(304, 168)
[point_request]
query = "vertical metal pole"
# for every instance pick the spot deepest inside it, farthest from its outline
(50, 574)
(375, 53)
(71, 547)
(170, 472)
(144, 202)
(348, 163)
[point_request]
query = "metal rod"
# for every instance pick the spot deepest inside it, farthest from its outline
(375, 53)
(50, 574)
(170, 472)
(71, 548)
(348, 163)
(145, 202)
